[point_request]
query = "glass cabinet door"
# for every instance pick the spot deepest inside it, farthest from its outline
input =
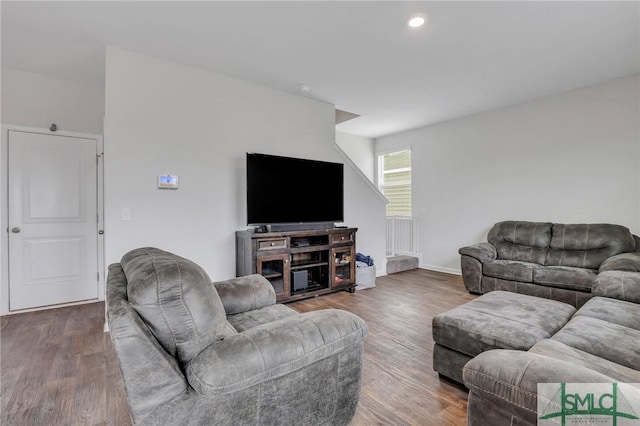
(343, 266)
(275, 268)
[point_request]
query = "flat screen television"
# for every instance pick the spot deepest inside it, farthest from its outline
(284, 190)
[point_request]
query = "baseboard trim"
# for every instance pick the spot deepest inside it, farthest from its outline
(43, 308)
(450, 271)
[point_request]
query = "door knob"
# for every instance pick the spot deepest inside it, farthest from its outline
(15, 229)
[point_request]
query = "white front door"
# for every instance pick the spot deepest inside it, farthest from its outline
(52, 219)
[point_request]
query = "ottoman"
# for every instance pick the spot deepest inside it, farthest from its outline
(495, 320)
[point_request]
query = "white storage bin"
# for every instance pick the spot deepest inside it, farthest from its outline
(365, 277)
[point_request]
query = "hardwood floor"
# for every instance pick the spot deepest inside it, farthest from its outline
(59, 368)
(399, 384)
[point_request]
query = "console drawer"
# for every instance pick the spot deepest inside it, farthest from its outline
(272, 244)
(342, 237)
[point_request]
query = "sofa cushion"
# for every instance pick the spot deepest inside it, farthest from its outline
(249, 319)
(607, 340)
(587, 245)
(177, 301)
(558, 350)
(510, 270)
(499, 319)
(523, 241)
(566, 277)
(615, 311)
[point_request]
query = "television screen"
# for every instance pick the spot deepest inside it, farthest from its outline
(293, 190)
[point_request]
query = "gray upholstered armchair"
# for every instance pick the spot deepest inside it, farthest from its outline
(193, 352)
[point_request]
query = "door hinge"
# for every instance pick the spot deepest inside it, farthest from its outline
(98, 277)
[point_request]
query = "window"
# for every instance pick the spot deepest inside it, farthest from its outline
(394, 180)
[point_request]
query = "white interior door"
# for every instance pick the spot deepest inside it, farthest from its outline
(52, 219)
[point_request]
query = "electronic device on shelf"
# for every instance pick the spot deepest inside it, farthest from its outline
(300, 280)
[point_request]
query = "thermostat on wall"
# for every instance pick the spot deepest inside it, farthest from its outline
(168, 182)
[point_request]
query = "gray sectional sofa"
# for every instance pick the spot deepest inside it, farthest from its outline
(507, 341)
(195, 352)
(563, 262)
(599, 344)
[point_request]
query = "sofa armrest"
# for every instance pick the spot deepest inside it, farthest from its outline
(508, 380)
(483, 252)
(273, 350)
(619, 278)
(618, 285)
(245, 293)
(471, 260)
(140, 356)
(628, 262)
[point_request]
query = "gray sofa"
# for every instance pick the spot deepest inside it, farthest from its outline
(193, 352)
(555, 261)
(600, 344)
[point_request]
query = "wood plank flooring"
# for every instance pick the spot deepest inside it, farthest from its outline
(59, 368)
(399, 384)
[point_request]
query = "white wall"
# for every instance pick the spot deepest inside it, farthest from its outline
(166, 118)
(569, 158)
(361, 151)
(366, 212)
(36, 100)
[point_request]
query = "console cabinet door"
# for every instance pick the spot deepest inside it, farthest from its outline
(275, 268)
(343, 266)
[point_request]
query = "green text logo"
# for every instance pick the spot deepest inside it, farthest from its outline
(588, 404)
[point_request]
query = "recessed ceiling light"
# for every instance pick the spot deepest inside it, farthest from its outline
(304, 88)
(416, 22)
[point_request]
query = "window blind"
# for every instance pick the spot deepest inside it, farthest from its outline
(395, 182)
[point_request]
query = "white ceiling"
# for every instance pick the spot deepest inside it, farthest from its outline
(361, 56)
